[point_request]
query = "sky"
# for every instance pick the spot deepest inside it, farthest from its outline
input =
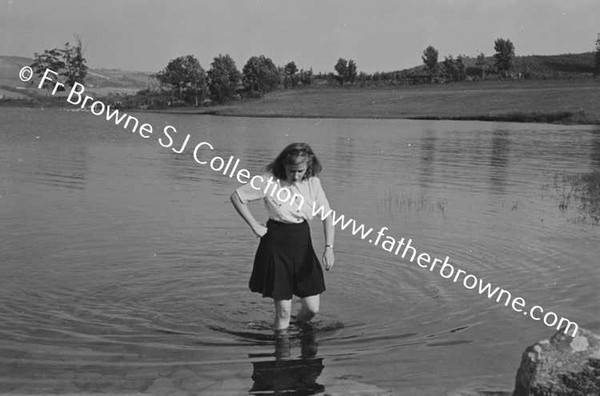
(379, 35)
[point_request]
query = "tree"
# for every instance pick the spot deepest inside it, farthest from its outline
(454, 69)
(75, 67)
(461, 71)
(362, 78)
(481, 64)
(341, 68)
(430, 59)
(67, 62)
(223, 78)
(186, 77)
(351, 71)
(49, 59)
(597, 57)
(306, 76)
(290, 71)
(260, 75)
(449, 69)
(505, 52)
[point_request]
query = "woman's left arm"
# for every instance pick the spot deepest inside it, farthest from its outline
(329, 231)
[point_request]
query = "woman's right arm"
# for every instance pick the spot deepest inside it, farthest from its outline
(258, 229)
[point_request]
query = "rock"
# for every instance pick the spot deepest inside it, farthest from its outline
(563, 366)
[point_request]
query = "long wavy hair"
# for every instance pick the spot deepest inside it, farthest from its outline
(293, 154)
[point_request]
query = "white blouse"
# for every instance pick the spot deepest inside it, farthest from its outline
(286, 203)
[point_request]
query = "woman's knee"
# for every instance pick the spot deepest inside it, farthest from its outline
(283, 310)
(312, 309)
(284, 313)
(310, 305)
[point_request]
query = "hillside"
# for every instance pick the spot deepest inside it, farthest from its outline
(556, 64)
(566, 101)
(537, 66)
(99, 81)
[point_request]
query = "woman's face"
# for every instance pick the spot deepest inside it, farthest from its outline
(295, 172)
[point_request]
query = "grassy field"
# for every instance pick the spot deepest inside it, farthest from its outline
(555, 101)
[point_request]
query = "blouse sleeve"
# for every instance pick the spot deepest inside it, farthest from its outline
(320, 197)
(253, 190)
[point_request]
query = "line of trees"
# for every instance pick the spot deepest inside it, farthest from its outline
(260, 75)
(451, 69)
(187, 81)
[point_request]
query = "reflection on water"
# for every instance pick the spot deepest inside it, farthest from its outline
(286, 375)
(595, 150)
(499, 160)
(428, 140)
(124, 268)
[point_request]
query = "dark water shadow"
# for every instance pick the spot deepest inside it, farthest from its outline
(428, 143)
(280, 372)
(595, 150)
(285, 375)
(499, 160)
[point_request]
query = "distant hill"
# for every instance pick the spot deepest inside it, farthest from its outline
(101, 81)
(556, 64)
(564, 65)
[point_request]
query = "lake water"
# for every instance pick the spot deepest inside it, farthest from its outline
(124, 267)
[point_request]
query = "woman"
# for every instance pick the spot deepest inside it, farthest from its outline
(285, 263)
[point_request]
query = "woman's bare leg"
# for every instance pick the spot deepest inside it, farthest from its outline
(283, 312)
(310, 307)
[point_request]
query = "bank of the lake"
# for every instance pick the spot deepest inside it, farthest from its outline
(574, 101)
(547, 101)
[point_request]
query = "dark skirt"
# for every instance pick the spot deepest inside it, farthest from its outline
(286, 263)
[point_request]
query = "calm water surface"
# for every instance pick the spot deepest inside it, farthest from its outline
(124, 267)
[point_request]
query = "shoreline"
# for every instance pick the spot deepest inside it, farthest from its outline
(575, 102)
(563, 102)
(558, 118)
